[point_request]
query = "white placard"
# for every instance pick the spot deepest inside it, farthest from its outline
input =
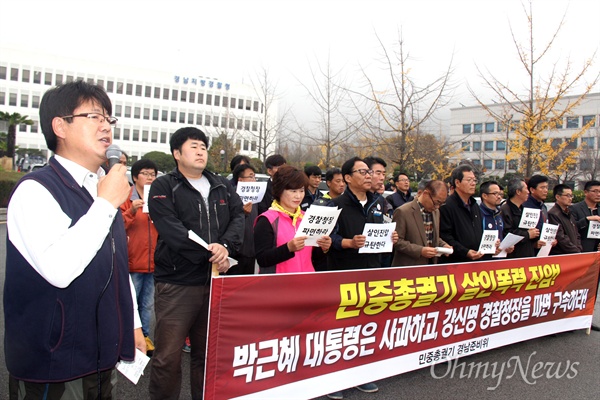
(509, 241)
(379, 238)
(251, 192)
(443, 250)
(488, 242)
(317, 221)
(529, 218)
(548, 235)
(594, 230)
(145, 195)
(132, 370)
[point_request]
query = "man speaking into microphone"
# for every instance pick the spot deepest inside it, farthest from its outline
(68, 306)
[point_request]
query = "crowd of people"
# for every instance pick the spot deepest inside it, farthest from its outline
(86, 272)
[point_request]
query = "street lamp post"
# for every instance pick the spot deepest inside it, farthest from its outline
(222, 152)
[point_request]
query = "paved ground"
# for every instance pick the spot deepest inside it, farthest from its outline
(571, 362)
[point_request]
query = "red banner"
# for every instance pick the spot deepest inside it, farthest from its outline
(305, 335)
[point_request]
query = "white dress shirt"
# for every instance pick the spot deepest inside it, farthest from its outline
(39, 229)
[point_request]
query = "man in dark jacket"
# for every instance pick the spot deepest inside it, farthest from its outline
(586, 211)
(272, 164)
(311, 192)
(538, 191)
(402, 194)
(189, 198)
(461, 225)
(567, 237)
(512, 212)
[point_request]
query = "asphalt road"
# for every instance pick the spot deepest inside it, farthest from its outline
(570, 370)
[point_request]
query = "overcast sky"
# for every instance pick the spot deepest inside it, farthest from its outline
(230, 40)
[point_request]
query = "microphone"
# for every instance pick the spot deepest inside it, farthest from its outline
(113, 153)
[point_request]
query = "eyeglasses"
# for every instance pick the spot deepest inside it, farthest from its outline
(363, 171)
(403, 180)
(495, 193)
(470, 180)
(436, 203)
(98, 118)
(148, 174)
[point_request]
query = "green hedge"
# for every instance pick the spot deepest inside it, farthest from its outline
(8, 180)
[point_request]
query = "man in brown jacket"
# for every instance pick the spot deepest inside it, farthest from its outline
(418, 227)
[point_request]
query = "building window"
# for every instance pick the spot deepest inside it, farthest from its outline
(163, 137)
(239, 123)
(489, 127)
(157, 93)
(587, 119)
(174, 94)
(500, 145)
(35, 101)
(200, 98)
(138, 90)
(34, 127)
(25, 76)
(209, 99)
(2, 72)
(127, 112)
(183, 95)
(248, 105)
(119, 87)
(231, 123)
(146, 113)
(155, 114)
(488, 164)
(2, 97)
(166, 94)
(217, 101)
(500, 164)
(232, 102)
(144, 135)
(117, 132)
(254, 126)
(256, 106)
(253, 146)
(24, 100)
(59, 79)
(207, 120)
(241, 104)
(165, 115)
(126, 134)
(225, 101)
(14, 74)
(136, 135)
(476, 146)
(477, 128)
(173, 116)
(182, 117)
(215, 121)
(129, 89)
(512, 164)
(589, 142)
(137, 111)
(586, 164)
(110, 86)
(22, 128)
(190, 118)
(488, 145)
(147, 91)
(192, 97)
(154, 136)
(12, 99)
(247, 124)
(37, 77)
(466, 146)
(556, 142)
(466, 128)
(572, 122)
(198, 119)
(571, 144)
(48, 78)
(223, 122)
(118, 110)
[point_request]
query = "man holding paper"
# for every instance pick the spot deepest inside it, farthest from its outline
(568, 241)
(418, 227)
(586, 213)
(189, 198)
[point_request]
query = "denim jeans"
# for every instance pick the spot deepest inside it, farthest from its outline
(144, 289)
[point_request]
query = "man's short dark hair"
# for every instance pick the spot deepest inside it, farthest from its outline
(514, 185)
(559, 189)
(140, 165)
(237, 159)
(485, 187)
(372, 160)
(535, 180)
(182, 135)
(63, 100)
(348, 166)
(331, 173)
(458, 173)
(310, 170)
(288, 177)
(274, 160)
(590, 184)
(238, 170)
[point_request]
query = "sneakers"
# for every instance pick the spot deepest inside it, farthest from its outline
(149, 347)
(336, 395)
(368, 388)
(187, 347)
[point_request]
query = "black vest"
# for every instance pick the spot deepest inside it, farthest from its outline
(51, 333)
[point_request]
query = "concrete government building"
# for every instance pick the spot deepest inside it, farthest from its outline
(150, 105)
(484, 140)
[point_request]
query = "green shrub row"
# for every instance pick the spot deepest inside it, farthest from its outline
(8, 180)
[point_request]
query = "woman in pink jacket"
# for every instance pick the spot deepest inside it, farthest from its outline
(277, 250)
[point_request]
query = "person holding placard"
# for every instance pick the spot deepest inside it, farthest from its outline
(512, 212)
(567, 237)
(585, 213)
(277, 248)
(538, 192)
(141, 242)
